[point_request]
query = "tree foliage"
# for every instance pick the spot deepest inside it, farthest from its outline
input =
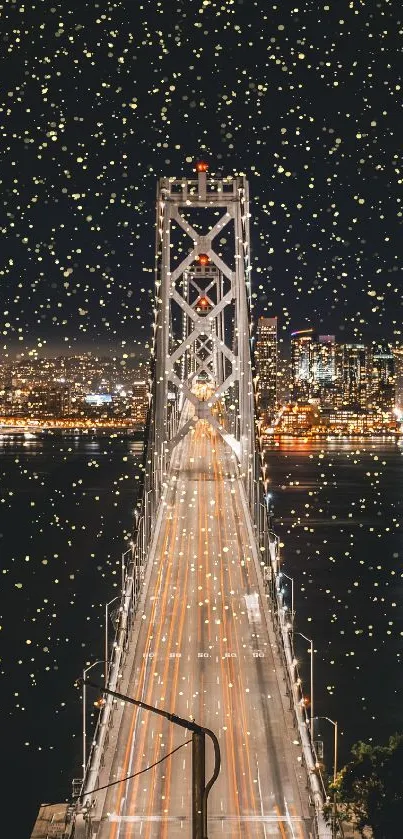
(370, 788)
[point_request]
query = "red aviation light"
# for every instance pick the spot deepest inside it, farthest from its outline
(203, 259)
(201, 166)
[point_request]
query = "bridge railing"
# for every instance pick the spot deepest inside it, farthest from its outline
(132, 579)
(283, 625)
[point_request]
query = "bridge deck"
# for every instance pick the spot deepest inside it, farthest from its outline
(204, 651)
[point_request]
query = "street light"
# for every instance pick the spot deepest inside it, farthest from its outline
(283, 574)
(85, 671)
(310, 642)
(147, 504)
(106, 628)
(334, 724)
(270, 509)
(124, 563)
(200, 790)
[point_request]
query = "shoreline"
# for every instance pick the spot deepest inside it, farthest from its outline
(382, 435)
(29, 432)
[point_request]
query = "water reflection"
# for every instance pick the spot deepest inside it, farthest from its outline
(338, 509)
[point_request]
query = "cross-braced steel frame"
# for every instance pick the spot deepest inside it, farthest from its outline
(202, 351)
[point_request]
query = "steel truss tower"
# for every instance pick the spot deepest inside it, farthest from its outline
(202, 352)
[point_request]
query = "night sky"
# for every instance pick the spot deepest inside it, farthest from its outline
(99, 100)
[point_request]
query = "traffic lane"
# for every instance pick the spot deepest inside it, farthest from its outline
(236, 737)
(153, 732)
(256, 682)
(200, 620)
(154, 736)
(235, 711)
(164, 675)
(241, 611)
(132, 724)
(201, 624)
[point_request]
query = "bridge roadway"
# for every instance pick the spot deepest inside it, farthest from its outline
(204, 651)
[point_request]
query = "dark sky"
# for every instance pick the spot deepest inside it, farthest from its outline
(99, 100)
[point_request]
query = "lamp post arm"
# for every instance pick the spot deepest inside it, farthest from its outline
(217, 765)
(335, 751)
(189, 724)
(312, 708)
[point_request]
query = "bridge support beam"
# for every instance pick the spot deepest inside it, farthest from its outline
(202, 330)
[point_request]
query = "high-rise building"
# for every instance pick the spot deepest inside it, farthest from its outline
(302, 344)
(140, 401)
(324, 360)
(398, 357)
(51, 401)
(355, 366)
(325, 385)
(383, 378)
(266, 363)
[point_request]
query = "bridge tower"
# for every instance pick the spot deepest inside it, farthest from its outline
(202, 350)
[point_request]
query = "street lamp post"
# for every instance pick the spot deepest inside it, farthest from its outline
(270, 509)
(310, 642)
(200, 790)
(335, 749)
(283, 574)
(85, 671)
(148, 507)
(107, 629)
(123, 567)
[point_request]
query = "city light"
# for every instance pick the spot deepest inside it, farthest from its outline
(90, 394)
(201, 384)
(332, 388)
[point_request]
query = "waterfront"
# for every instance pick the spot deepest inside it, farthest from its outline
(66, 515)
(338, 511)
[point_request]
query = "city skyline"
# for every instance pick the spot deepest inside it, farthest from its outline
(212, 186)
(341, 387)
(326, 386)
(79, 346)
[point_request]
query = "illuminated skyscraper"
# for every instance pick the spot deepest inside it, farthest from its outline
(324, 374)
(140, 401)
(355, 374)
(398, 357)
(324, 360)
(302, 349)
(383, 378)
(266, 364)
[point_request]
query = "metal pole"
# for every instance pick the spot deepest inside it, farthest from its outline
(107, 632)
(311, 650)
(310, 642)
(84, 729)
(198, 784)
(335, 746)
(335, 751)
(292, 596)
(292, 604)
(85, 671)
(189, 725)
(334, 778)
(106, 639)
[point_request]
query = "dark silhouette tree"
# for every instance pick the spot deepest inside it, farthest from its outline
(369, 789)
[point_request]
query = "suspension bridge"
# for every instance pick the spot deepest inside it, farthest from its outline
(203, 632)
